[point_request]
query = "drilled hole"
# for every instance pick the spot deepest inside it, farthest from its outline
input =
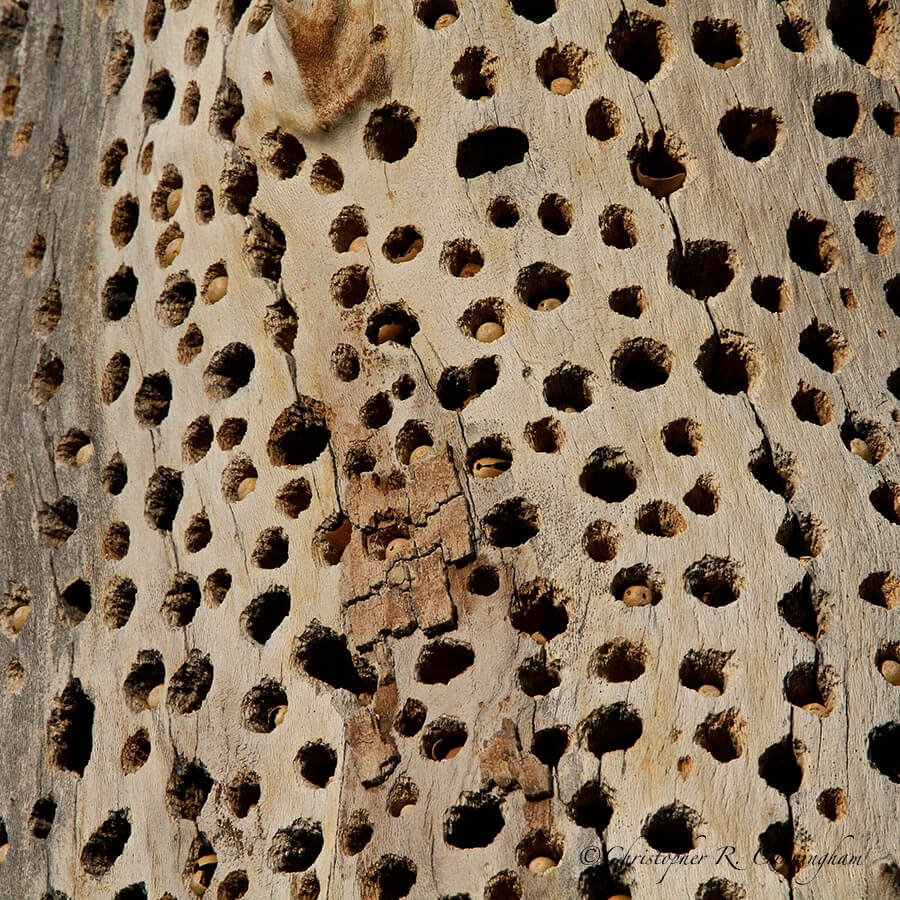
(226, 110)
(556, 214)
(639, 44)
(144, 681)
(106, 844)
(190, 104)
(812, 687)
(190, 683)
(70, 729)
(316, 763)
(567, 388)
(457, 387)
(659, 163)
(231, 432)
(242, 793)
(135, 751)
(299, 434)
(124, 220)
(181, 601)
(544, 435)
(176, 300)
(619, 660)
(158, 96)
(262, 616)
(836, 114)
(672, 829)
(216, 587)
(812, 405)
(603, 120)
(195, 45)
(549, 745)
(75, 601)
(560, 68)
(600, 541)
(886, 500)
(887, 118)
(503, 212)
(326, 176)
(812, 243)
(283, 153)
(111, 163)
(228, 371)
(474, 74)
(722, 735)
(750, 133)
(718, 42)
(883, 747)
(118, 601)
(483, 580)
(629, 301)
(618, 227)
(410, 718)
(660, 519)
(538, 608)
(875, 233)
(781, 765)
(443, 738)
(263, 707)
(189, 345)
(641, 363)
(474, 822)
(197, 440)
(512, 522)
(392, 323)
(611, 728)
(390, 132)
(609, 475)
(542, 286)
(356, 833)
(728, 363)
(490, 150)
(682, 437)
(703, 671)
(797, 34)
(714, 580)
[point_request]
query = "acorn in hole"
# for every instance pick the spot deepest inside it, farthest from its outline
(397, 546)
(173, 201)
(490, 466)
(358, 244)
(19, 617)
(84, 455)
(277, 714)
(173, 248)
(489, 331)
(217, 289)
(423, 451)
(549, 303)
(245, 488)
(446, 748)
(390, 331)
(154, 696)
(203, 873)
(890, 669)
(444, 21)
(709, 690)
(817, 709)
(562, 86)
(860, 448)
(541, 864)
(660, 186)
(637, 595)
(4, 850)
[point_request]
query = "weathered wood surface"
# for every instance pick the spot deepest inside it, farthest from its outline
(396, 607)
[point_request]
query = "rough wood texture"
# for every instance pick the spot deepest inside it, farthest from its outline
(312, 590)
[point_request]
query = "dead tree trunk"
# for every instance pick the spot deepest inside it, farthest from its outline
(448, 450)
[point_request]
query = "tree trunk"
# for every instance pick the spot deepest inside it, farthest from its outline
(448, 450)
